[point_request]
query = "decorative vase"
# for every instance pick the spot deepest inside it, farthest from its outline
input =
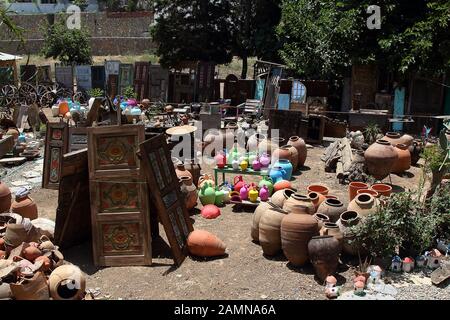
(243, 192)
(24, 205)
(5, 198)
(205, 178)
(182, 172)
(316, 199)
(403, 162)
(264, 193)
(382, 189)
(266, 181)
(332, 208)
(194, 168)
(207, 194)
(238, 183)
(260, 210)
(299, 200)
(270, 231)
(393, 138)
(323, 252)
(321, 219)
(264, 159)
(253, 195)
(281, 185)
(202, 243)
(348, 220)
(287, 167)
(296, 232)
(332, 229)
(189, 191)
(256, 164)
(364, 204)
(299, 144)
(210, 211)
(234, 154)
(221, 160)
(279, 197)
(277, 173)
(318, 188)
(380, 158)
(353, 188)
(220, 196)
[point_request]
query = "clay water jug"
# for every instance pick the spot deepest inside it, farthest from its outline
(202, 243)
(316, 199)
(207, 194)
(299, 200)
(264, 159)
(5, 198)
(256, 164)
(348, 220)
(364, 204)
(299, 144)
(321, 219)
(332, 208)
(380, 158)
(323, 253)
(393, 138)
(264, 193)
(24, 205)
(277, 174)
(353, 188)
(287, 167)
(244, 191)
(243, 165)
(205, 178)
(182, 172)
(220, 197)
(238, 183)
(403, 162)
(270, 231)
(189, 191)
(235, 163)
(297, 229)
(279, 197)
(253, 195)
(259, 211)
(221, 160)
(266, 181)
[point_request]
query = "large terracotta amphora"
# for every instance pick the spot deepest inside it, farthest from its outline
(299, 144)
(270, 230)
(380, 158)
(202, 243)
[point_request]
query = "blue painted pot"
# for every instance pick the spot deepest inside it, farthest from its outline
(277, 174)
(287, 167)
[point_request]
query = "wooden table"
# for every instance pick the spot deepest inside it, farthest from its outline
(249, 172)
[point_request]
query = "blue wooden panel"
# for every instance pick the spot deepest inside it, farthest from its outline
(259, 92)
(399, 107)
(284, 101)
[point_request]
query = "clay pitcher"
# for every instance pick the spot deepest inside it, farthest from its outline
(270, 231)
(189, 191)
(299, 144)
(5, 198)
(238, 183)
(403, 162)
(24, 205)
(323, 252)
(182, 172)
(364, 204)
(380, 158)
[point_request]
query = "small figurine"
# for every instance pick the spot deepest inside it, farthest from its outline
(359, 288)
(375, 274)
(331, 291)
(408, 264)
(396, 265)
(434, 259)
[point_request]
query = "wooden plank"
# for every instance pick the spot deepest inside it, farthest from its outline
(56, 145)
(73, 217)
(141, 77)
(119, 197)
(166, 194)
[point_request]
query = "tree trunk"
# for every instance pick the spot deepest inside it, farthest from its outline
(244, 67)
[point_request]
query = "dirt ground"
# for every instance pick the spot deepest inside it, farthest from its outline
(243, 274)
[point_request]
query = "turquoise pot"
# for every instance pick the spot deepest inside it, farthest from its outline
(287, 166)
(276, 174)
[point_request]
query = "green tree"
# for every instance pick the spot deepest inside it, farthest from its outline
(191, 30)
(70, 46)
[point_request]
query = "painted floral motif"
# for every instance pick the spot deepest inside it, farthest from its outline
(123, 237)
(119, 196)
(117, 151)
(57, 134)
(54, 165)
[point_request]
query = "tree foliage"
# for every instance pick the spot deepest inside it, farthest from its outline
(5, 20)
(70, 46)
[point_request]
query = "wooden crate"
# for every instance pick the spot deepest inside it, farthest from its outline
(56, 145)
(119, 199)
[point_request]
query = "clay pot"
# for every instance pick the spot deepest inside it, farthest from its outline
(67, 282)
(31, 253)
(323, 253)
(25, 206)
(364, 204)
(189, 191)
(281, 185)
(382, 189)
(279, 197)
(348, 220)
(332, 208)
(260, 209)
(182, 172)
(380, 158)
(373, 193)
(415, 149)
(270, 231)
(299, 200)
(2, 244)
(393, 138)
(318, 188)
(296, 231)
(321, 219)
(287, 152)
(15, 235)
(407, 140)
(46, 263)
(403, 162)
(5, 198)
(210, 211)
(332, 197)
(299, 144)
(205, 178)
(13, 132)
(35, 288)
(194, 169)
(317, 199)
(332, 229)
(202, 243)
(353, 188)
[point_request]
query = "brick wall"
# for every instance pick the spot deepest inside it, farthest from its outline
(112, 34)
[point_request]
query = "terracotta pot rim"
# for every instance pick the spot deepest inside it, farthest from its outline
(294, 138)
(332, 197)
(330, 225)
(357, 217)
(381, 187)
(288, 190)
(185, 178)
(393, 134)
(321, 237)
(286, 147)
(314, 187)
(313, 195)
(402, 146)
(373, 193)
(334, 202)
(323, 215)
(384, 142)
(297, 196)
(359, 185)
(364, 195)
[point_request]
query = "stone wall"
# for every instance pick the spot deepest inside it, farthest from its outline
(112, 33)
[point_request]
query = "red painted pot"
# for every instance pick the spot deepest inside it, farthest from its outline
(210, 211)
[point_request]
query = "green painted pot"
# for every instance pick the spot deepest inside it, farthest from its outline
(207, 194)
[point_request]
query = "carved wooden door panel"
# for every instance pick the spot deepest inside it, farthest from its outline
(141, 77)
(119, 199)
(56, 145)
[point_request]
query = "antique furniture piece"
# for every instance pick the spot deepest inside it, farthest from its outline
(56, 145)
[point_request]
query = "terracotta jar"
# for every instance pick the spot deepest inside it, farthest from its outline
(287, 152)
(321, 219)
(296, 231)
(5, 198)
(279, 197)
(270, 231)
(403, 162)
(24, 205)
(415, 149)
(332, 208)
(407, 140)
(59, 290)
(382, 189)
(348, 220)
(332, 229)
(202, 243)
(393, 137)
(332, 197)
(373, 193)
(380, 158)
(299, 144)
(323, 253)
(299, 200)
(323, 190)
(281, 185)
(317, 199)
(189, 191)
(260, 209)
(31, 253)
(353, 188)
(182, 172)
(364, 204)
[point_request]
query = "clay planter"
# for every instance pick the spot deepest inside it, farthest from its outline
(353, 188)
(348, 220)
(332, 229)
(182, 172)
(317, 199)
(263, 207)
(25, 206)
(299, 200)
(321, 219)
(296, 232)
(382, 189)
(380, 158)
(270, 231)
(5, 198)
(332, 208)
(279, 197)
(403, 162)
(299, 144)
(364, 204)
(323, 253)
(393, 138)
(323, 190)
(202, 243)
(373, 193)
(189, 191)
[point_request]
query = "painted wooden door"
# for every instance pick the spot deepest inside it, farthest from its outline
(158, 83)
(125, 77)
(64, 75)
(166, 194)
(113, 85)
(141, 77)
(399, 107)
(98, 77)
(119, 199)
(84, 77)
(56, 145)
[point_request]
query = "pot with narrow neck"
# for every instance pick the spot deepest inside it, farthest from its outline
(332, 208)
(348, 220)
(364, 204)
